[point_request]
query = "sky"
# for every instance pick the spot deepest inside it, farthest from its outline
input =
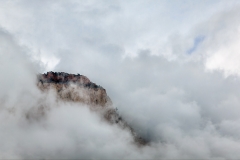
(172, 68)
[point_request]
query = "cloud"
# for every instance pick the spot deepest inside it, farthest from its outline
(222, 47)
(178, 106)
(170, 69)
(37, 125)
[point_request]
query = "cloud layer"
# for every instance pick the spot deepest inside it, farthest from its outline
(171, 69)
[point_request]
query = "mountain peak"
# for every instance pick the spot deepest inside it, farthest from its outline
(78, 88)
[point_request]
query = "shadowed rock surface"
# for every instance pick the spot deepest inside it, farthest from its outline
(78, 88)
(73, 87)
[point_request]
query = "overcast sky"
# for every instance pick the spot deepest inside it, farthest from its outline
(172, 68)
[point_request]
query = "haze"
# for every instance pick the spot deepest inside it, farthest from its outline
(170, 67)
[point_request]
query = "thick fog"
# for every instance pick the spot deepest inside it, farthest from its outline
(170, 67)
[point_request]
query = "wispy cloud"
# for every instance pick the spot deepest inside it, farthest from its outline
(171, 69)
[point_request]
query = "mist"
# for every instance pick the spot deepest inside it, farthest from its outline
(170, 69)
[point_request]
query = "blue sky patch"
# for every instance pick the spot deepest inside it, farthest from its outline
(198, 40)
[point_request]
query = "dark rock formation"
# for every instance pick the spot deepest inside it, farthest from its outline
(79, 88)
(74, 88)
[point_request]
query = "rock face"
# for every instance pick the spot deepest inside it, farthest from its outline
(79, 88)
(73, 87)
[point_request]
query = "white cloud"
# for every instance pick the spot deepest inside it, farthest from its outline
(149, 58)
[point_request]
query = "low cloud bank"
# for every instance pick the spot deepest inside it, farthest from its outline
(181, 94)
(37, 125)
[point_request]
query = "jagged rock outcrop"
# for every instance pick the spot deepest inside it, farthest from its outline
(78, 88)
(74, 88)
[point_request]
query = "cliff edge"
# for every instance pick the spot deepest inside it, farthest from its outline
(78, 88)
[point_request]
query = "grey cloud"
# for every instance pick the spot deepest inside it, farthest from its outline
(37, 125)
(173, 104)
(138, 52)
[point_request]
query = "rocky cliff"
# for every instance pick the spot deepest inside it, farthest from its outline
(73, 87)
(78, 88)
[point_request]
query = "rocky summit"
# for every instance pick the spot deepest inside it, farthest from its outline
(74, 87)
(78, 88)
